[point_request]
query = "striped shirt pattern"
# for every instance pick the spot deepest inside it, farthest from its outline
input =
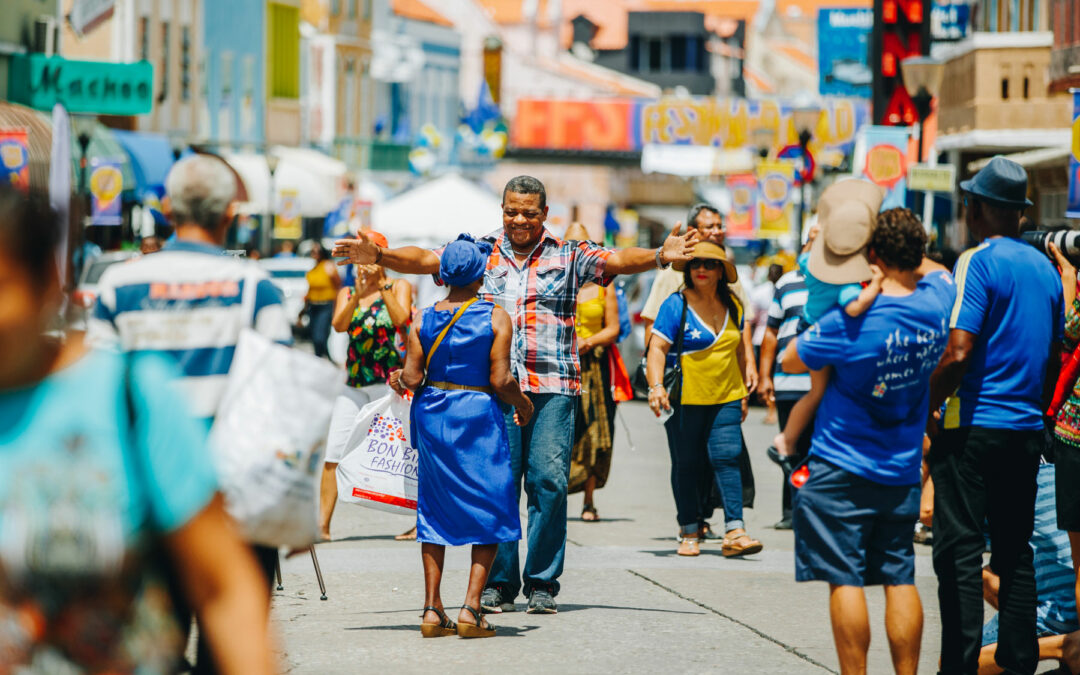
(186, 302)
(785, 312)
(540, 295)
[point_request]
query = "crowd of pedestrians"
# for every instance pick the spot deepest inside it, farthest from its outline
(902, 388)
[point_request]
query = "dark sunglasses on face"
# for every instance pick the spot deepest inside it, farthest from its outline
(707, 263)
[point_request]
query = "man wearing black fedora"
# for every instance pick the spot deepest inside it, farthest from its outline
(1004, 351)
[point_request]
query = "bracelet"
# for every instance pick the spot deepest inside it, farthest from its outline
(387, 286)
(654, 386)
(659, 262)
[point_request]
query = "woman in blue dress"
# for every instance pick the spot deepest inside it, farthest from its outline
(458, 362)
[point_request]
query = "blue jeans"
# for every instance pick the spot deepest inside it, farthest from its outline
(320, 315)
(539, 451)
(701, 437)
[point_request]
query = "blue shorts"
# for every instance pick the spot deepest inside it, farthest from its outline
(851, 531)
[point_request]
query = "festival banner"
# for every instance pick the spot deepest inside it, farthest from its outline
(628, 125)
(1073, 208)
(287, 221)
(15, 158)
(106, 184)
(775, 181)
(743, 219)
(885, 162)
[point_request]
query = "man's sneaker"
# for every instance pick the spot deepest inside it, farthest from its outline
(491, 602)
(783, 524)
(542, 602)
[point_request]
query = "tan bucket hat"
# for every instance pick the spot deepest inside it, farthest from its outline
(847, 212)
(577, 232)
(709, 251)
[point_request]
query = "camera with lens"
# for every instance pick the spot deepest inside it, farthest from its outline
(1067, 241)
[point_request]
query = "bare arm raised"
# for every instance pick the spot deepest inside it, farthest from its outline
(677, 248)
(406, 260)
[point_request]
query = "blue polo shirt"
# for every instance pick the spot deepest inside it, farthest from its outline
(1009, 295)
(873, 415)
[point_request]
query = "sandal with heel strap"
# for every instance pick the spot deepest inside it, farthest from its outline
(731, 549)
(481, 629)
(444, 628)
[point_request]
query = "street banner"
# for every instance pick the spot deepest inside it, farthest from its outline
(629, 125)
(743, 219)
(843, 51)
(287, 221)
(1073, 208)
(106, 184)
(15, 158)
(60, 184)
(926, 178)
(775, 181)
(885, 162)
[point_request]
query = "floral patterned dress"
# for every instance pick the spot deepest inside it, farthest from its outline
(1067, 421)
(374, 345)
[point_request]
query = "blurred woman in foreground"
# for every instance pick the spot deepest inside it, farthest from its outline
(107, 494)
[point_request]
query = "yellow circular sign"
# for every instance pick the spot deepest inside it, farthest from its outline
(106, 183)
(1076, 139)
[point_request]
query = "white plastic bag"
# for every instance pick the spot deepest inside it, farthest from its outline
(380, 465)
(269, 437)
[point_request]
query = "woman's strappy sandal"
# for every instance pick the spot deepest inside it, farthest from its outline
(444, 628)
(481, 629)
(739, 544)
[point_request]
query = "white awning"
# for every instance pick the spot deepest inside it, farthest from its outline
(437, 211)
(692, 161)
(1030, 159)
(315, 177)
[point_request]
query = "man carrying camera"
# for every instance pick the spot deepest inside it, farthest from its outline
(1002, 361)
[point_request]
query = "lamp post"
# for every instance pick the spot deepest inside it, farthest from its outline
(84, 131)
(922, 80)
(805, 118)
(271, 164)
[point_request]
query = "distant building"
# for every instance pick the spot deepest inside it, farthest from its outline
(235, 78)
(1065, 55)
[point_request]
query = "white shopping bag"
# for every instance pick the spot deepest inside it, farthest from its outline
(380, 464)
(269, 439)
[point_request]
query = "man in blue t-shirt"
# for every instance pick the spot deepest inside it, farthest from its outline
(854, 516)
(1004, 351)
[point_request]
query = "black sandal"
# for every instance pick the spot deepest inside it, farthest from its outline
(589, 508)
(442, 629)
(481, 629)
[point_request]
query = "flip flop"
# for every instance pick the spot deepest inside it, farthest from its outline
(481, 629)
(406, 536)
(589, 508)
(444, 628)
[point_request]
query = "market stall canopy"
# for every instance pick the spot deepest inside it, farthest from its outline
(438, 211)
(151, 158)
(316, 178)
(38, 138)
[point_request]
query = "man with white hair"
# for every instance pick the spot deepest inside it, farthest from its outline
(190, 301)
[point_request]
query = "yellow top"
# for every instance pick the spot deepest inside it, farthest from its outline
(711, 375)
(590, 316)
(320, 287)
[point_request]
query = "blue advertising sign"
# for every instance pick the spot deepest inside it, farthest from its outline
(843, 52)
(106, 184)
(1072, 209)
(949, 21)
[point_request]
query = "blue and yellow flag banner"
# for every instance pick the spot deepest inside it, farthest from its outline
(106, 184)
(1073, 209)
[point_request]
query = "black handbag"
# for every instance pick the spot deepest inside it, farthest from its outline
(673, 375)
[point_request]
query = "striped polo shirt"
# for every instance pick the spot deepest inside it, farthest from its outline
(785, 312)
(186, 302)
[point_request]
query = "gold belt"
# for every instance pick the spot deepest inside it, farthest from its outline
(450, 386)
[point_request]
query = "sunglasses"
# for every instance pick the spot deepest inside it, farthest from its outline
(707, 263)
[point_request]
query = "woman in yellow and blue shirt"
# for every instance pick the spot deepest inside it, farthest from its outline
(704, 428)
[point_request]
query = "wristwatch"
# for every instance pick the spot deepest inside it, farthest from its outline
(659, 263)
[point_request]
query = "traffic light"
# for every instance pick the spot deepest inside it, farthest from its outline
(901, 29)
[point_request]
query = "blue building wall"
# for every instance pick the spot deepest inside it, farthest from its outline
(235, 51)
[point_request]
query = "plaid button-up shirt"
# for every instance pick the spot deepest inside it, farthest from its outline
(540, 294)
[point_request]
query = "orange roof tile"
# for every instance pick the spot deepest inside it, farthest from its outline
(418, 11)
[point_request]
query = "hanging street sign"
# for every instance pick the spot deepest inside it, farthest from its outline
(925, 178)
(92, 87)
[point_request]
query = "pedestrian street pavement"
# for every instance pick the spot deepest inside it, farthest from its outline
(628, 604)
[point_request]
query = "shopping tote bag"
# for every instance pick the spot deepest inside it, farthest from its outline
(380, 465)
(269, 439)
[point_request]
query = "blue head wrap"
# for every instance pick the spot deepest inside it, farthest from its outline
(464, 261)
